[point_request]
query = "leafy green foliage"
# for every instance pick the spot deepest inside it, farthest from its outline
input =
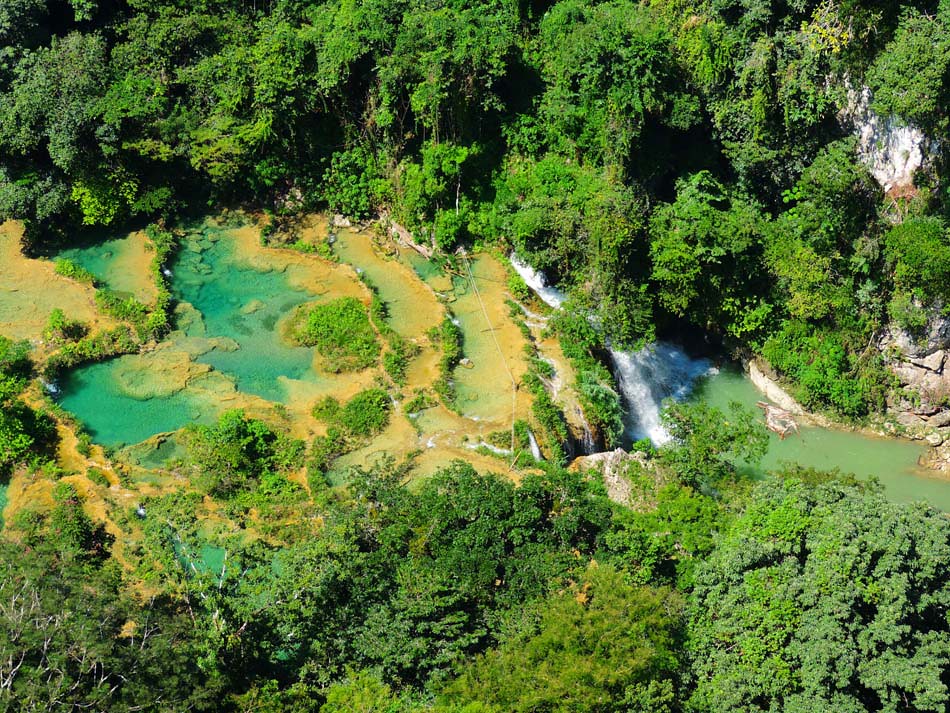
(704, 250)
(68, 268)
(25, 435)
(239, 453)
(366, 414)
(823, 597)
(825, 374)
(68, 632)
(919, 250)
(609, 72)
(601, 645)
(665, 543)
(341, 333)
(707, 442)
(71, 530)
(15, 358)
(909, 78)
(448, 337)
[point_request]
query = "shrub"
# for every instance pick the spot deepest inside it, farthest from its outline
(235, 455)
(364, 415)
(341, 333)
(68, 268)
(15, 358)
(59, 328)
(367, 413)
(449, 338)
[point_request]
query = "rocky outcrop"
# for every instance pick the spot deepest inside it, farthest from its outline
(771, 390)
(934, 337)
(921, 404)
(766, 381)
(892, 149)
(614, 466)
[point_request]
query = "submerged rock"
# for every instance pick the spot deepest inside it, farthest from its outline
(157, 374)
(253, 306)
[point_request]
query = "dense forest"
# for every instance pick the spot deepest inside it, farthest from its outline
(677, 162)
(678, 168)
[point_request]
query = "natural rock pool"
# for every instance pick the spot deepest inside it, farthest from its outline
(227, 351)
(226, 342)
(892, 461)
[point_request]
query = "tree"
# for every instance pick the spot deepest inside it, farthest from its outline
(70, 638)
(707, 443)
(600, 645)
(610, 75)
(239, 453)
(909, 78)
(824, 597)
(705, 249)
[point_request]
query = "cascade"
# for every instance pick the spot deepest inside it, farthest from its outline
(535, 448)
(551, 296)
(646, 377)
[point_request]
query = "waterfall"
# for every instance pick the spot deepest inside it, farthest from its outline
(646, 378)
(551, 296)
(535, 448)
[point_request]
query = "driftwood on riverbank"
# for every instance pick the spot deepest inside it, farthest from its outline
(778, 420)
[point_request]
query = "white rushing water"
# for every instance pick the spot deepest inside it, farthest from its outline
(535, 448)
(646, 378)
(551, 296)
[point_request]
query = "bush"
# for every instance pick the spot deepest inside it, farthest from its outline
(919, 252)
(367, 413)
(341, 333)
(59, 328)
(15, 358)
(351, 184)
(236, 454)
(824, 373)
(68, 268)
(449, 338)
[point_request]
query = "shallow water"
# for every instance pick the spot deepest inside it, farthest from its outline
(491, 343)
(412, 308)
(119, 263)
(890, 460)
(3, 501)
(114, 418)
(243, 303)
(228, 317)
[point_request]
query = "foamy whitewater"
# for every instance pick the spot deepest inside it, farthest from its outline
(646, 378)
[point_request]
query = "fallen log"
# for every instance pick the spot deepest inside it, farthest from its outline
(778, 420)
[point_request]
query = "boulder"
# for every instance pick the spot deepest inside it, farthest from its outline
(772, 391)
(613, 465)
(933, 362)
(933, 338)
(939, 420)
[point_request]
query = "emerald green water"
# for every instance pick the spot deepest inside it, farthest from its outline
(234, 301)
(244, 304)
(892, 461)
(114, 418)
(3, 501)
(103, 259)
